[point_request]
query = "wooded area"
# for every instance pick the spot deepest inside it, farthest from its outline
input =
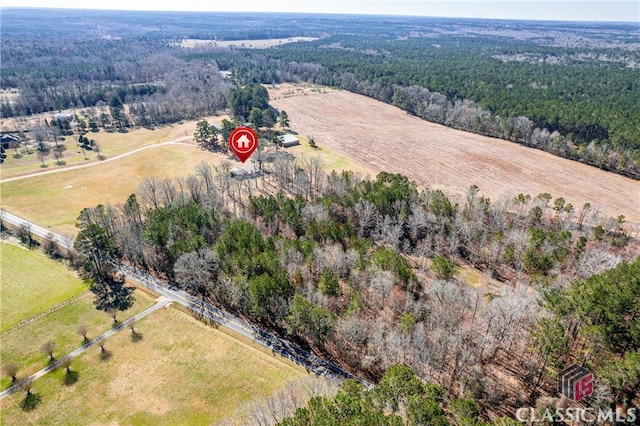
(365, 272)
(579, 109)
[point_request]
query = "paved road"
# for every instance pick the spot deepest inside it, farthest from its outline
(298, 355)
(163, 301)
(36, 229)
(96, 163)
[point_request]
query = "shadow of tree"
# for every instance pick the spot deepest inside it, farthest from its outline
(136, 336)
(105, 355)
(70, 377)
(112, 294)
(30, 401)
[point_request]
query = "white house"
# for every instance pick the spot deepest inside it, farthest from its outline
(288, 140)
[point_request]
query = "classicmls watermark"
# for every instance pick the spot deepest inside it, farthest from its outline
(577, 414)
(576, 383)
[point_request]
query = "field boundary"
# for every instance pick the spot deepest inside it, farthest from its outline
(389, 139)
(60, 305)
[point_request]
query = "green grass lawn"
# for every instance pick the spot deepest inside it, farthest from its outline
(22, 345)
(180, 372)
(331, 160)
(31, 284)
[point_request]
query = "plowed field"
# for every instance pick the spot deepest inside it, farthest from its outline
(384, 138)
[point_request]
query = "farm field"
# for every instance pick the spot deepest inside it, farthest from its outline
(384, 138)
(180, 372)
(55, 200)
(22, 345)
(25, 295)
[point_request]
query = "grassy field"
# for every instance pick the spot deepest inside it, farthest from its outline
(22, 345)
(55, 200)
(180, 372)
(331, 160)
(111, 145)
(32, 284)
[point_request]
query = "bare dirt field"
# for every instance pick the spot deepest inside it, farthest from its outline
(381, 137)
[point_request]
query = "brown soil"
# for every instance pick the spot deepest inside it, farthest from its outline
(384, 138)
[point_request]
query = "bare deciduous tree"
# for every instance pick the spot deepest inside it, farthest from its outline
(31, 399)
(197, 271)
(104, 353)
(113, 313)
(149, 191)
(70, 376)
(82, 331)
(48, 348)
(11, 369)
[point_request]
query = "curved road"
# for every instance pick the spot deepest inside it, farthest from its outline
(296, 354)
(82, 166)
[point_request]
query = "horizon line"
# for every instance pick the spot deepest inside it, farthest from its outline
(371, 14)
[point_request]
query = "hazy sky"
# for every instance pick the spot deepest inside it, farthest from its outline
(573, 10)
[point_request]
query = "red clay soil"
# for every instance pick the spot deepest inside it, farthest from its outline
(385, 138)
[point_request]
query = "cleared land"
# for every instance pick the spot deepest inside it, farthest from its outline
(246, 44)
(55, 200)
(32, 284)
(22, 345)
(329, 159)
(384, 138)
(181, 372)
(111, 145)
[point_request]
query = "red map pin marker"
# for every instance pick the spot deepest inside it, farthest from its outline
(243, 141)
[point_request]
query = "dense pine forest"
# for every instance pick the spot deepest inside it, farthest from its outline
(578, 102)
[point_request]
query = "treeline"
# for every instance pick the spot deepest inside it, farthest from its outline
(369, 273)
(82, 68)
(185, 91)
(65, 59)
(576, 101)
(400, 398)
(578, 110)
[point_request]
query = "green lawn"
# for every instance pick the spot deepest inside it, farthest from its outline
(22, 345)
(331, 160)
(180, 372)
(31, 284)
